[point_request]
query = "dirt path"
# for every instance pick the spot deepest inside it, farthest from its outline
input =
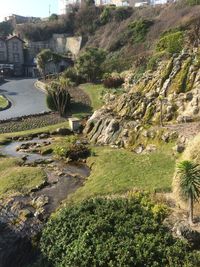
(188, 130)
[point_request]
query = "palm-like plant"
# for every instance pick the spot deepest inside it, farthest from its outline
(189, 184)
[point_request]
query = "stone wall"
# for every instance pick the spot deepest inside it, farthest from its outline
(59, 43)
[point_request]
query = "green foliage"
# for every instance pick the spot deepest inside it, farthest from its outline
(53, 17)
(122, 13)
(73, 151)
(62, 150)
(171, 42)
(115, 232)
(189, 179)
(90, 2)
(4, 103)
(6, 28)
(193, 2)
(180, 83)
(50, 102)
(42, 58)
(58, 98)
(89, 64)
(138, 30)
(106, 15)
(167, 71)
(117, 62)
(154, 60)
(72, 75)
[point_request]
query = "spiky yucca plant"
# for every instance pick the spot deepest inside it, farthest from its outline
(189, 184)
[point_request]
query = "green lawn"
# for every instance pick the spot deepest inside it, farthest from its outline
(118, 171)
(95, 92)
(3, 102)
(17, 179)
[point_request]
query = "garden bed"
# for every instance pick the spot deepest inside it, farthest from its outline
(4, 103)
(30, 122)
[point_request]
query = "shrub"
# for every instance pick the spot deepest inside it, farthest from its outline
(50, 102)
(113, 82)
(172, 42)
(73, 151)
(89, 64)
(122, 13)
(106, 15)
(73, 76)
(138, 29)
(58, 98)
(113, 232)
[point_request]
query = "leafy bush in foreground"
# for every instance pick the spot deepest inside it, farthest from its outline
(114, 232)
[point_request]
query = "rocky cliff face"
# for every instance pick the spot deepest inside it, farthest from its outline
(170, 94)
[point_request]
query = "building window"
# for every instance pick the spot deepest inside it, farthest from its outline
(16, 58)
(15, 46)
(2, 56)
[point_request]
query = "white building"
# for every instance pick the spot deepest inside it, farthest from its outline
(64, 5)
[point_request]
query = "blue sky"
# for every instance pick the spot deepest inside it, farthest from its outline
(36, 8)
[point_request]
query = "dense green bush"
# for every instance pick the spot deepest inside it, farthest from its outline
(50, 103)
(122, 13)
(113, 232)
(171, 42)
(106, 15)
(89, 64)
(138, 30)
(72, 151)
(72, 75)
(58, 98)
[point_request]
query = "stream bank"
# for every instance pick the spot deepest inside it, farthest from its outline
(22, 217)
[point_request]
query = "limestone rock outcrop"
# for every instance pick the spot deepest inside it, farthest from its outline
(169, 94)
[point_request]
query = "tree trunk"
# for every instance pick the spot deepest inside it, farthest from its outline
(190, 211)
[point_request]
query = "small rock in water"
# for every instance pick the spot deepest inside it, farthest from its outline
(40, 202)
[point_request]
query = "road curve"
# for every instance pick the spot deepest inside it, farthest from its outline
(24, 97)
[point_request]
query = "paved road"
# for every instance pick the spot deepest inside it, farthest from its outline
(25, 98)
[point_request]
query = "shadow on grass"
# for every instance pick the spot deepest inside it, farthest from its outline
(80, 108)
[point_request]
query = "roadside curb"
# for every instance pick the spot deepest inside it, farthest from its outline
(8, 105)
(40, 86)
